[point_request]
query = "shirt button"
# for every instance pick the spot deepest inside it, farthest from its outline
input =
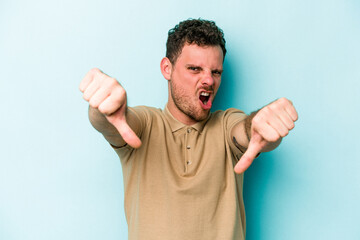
(188, 162)
(189, 130)
(188, 147)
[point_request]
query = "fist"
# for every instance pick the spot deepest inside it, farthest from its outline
(103, 92)
(275, 120)
(109, 97)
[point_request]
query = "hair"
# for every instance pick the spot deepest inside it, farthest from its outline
(193, 31)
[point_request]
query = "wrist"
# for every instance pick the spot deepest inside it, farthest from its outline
(248, 124)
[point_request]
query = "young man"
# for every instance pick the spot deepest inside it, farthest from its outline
(180, 164)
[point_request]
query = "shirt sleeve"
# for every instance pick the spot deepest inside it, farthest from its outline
(137, 125)
(232, 117)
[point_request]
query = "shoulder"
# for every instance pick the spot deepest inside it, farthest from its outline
(146, 114)
(227, 118)
(145, 110)
(230, 112)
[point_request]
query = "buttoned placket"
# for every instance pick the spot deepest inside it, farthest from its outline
(188, 155)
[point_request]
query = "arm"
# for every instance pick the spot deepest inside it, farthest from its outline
(265, 130)
(108, 110)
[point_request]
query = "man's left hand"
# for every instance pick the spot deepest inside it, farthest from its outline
(268, 127)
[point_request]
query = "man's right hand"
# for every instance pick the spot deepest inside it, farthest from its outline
(109, 97)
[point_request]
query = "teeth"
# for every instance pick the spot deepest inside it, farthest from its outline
(205, 94)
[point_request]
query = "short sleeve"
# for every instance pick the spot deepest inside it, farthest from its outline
(232, 117)
(137, 123)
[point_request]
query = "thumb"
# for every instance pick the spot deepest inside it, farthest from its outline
(118, 119)
(128, 134)
(250, 154)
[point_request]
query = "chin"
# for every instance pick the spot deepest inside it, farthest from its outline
(202, 116)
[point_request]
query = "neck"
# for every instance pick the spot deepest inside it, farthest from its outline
(178, 114)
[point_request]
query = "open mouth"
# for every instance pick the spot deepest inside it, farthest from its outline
(205, 100)
(204, 97)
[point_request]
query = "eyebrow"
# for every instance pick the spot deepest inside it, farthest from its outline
(192, 65)
(197, 66)
(217, 70)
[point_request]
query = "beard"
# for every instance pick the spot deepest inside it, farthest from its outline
(187, 104)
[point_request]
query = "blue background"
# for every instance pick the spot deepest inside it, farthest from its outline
(59, 179)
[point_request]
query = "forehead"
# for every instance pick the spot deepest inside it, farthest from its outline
(210, 56)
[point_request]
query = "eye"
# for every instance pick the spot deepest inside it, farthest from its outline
(195, 69)
(217, 73)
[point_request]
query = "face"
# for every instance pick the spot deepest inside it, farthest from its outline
(193, 82)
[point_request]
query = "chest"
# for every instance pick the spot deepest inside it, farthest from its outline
(187, 151)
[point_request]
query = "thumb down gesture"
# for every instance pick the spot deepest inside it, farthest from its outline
(268, 126)
(109, 97)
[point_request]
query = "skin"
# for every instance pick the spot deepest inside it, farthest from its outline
(268, 126)
(107, 108)
(197, 69)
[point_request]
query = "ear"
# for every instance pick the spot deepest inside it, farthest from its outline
(166, 68)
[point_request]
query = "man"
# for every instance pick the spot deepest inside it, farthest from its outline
(180, 164)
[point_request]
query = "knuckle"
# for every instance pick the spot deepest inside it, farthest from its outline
(95, 70)
(116, 99)
(273, 138)
(274, 107)
(296, 116)
(86, 97)
(117, 96)
(99, 76)
(111, 81)
(104, 110)
(266, 110)
(81, 86)
(256, 120)
(121, 92)
(284, 134)
(282, 100)
(93, 103)
(285, 102)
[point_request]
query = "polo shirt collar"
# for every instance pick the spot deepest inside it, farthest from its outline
(176, 125)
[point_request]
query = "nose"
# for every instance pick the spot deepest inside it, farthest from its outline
(208, 79)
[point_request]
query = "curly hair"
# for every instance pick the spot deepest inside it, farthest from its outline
(199, 31)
